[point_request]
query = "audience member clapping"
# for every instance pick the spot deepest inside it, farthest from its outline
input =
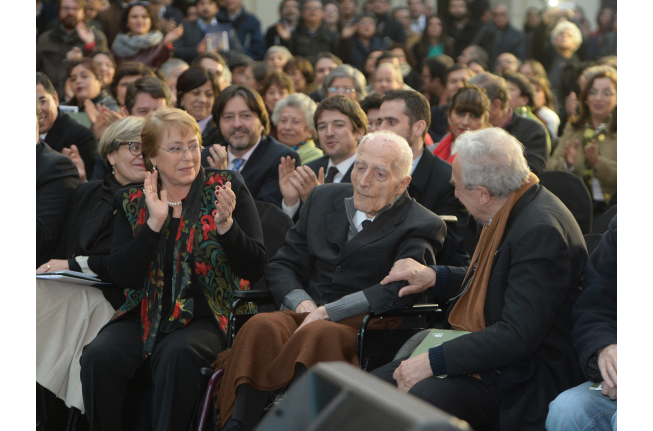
(61, 132)
(588, 145)
(56, 180)
(293, 116)
(340, 124)
(244, 127)
(68, 316)
(180, 246)
(85, 79)
(68, 42)
(359, 40)
(140, 39)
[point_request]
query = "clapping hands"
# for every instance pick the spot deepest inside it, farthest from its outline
(297, 183)
(225, 203)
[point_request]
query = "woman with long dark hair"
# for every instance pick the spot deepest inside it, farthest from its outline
(434, 40)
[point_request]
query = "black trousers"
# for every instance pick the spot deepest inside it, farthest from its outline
(464, 397)
(112, 358)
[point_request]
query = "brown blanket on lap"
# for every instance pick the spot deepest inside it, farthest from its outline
(268, 348)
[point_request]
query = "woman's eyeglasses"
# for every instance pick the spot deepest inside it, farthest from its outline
(134, 147)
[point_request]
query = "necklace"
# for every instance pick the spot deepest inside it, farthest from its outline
(174, 204)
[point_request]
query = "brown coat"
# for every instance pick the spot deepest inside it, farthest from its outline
(607, 170)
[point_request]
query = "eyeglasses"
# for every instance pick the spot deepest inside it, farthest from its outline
(134, 147)
(71, 9)
(606, 94)
(342, 90)
(176, 151)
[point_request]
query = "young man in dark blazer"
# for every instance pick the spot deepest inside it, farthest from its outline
(59, 130)
(519, 355)
(243, 124)
(56, 181)
(407, 113)
(340, 123)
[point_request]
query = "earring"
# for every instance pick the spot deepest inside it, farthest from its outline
(113, 170)
(154, 168)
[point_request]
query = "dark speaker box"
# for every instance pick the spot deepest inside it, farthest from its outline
(336, 396)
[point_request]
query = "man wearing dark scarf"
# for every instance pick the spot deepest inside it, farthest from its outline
(515, 298)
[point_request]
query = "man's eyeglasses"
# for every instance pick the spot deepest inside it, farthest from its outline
(134, 147)
(74, 9)
(341, 90)
(606, 94)
(193, 149)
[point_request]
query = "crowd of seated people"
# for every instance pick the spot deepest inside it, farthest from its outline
(163, 125)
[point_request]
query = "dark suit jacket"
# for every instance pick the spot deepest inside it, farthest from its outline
(495, 42)
(186, 45)
(595, 312)
(431, 187)
(261, 172)
(527, 344)
(439, 122)
(323, 162)
(56, 180)
(66, 132)
(533, 135)
(317, 257)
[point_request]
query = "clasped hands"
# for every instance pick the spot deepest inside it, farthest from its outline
(225, 203)
(297, 183)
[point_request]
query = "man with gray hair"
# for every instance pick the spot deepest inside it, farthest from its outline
(515, 298)
(530, 133)
(328, 270)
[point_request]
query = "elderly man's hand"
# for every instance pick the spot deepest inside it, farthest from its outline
(305, 180)
(412, 371)
(53, 265)
(318, 314)
(306, 306)
(419, 277)
(608, 367)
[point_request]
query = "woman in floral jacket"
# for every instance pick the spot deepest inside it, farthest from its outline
(179, 254)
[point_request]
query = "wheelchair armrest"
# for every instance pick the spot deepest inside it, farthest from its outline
(415, 310)
(252, 295)
(449, 219)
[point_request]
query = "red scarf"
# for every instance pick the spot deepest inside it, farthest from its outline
(443, 150)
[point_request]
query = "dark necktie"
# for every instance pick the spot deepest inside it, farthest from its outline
(366, 223)
(333, 171)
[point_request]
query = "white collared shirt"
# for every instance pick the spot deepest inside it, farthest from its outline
(231, 157)
(416, 162)
(359, 218)
(342, 168)
(204, 122)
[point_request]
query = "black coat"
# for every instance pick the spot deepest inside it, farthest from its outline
(431, 188)
(186, 45)
(533, 135)
(66, 132)
(354, 52)
(390, 29)
(595, 312)
(89, 230)
(463, 36)
(56, 180)
(527, 345)
(496, 42)
(261, 172)
(317, 257)
(439, 122)
(305, 44)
